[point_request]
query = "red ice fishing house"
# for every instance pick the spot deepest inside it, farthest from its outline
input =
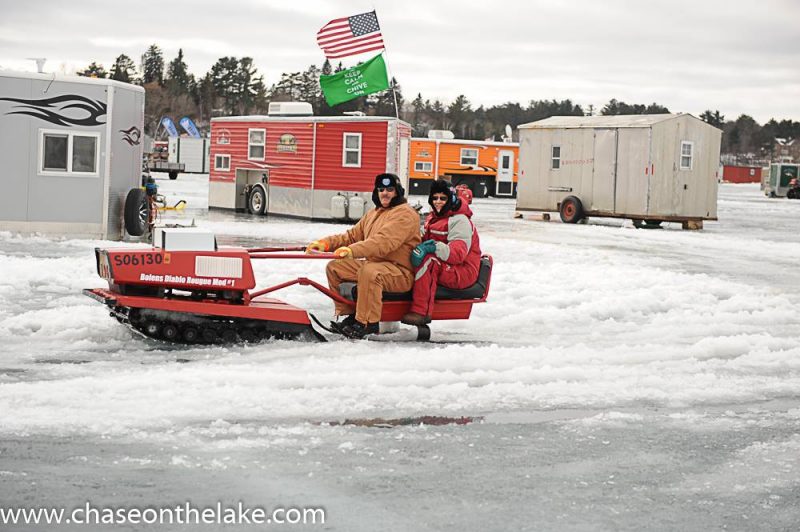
(294, 164)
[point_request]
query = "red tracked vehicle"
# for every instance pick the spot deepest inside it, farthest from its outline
(185, 289)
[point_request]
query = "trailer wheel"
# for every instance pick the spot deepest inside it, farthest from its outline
(256, 201)
(173, 174)
(137, 212)
(571, 210)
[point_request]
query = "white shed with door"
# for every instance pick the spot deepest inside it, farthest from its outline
(191, 152)
(649, 168)
(70, 151)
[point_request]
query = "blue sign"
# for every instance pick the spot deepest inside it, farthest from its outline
(169, 125)
(188, 125)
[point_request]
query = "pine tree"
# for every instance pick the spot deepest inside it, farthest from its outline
(94, 71)
(205, 97)
(614, 107)
(458, 114)
(247, 85)
(309, 90)
(385, 101)
(124, 69)
(179, 81)
(223, 79)
(715, 119)
(153, 65)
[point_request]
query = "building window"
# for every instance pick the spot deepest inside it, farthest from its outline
(351, 150)
(222, 162)
(687, 151)
(555, 154)
(69, 153)
(505, 188)
(469, 156)
(421, 166)
(256, 141)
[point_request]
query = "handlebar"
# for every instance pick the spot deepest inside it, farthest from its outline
(292, 256)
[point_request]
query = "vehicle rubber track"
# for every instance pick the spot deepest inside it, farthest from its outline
(202, 329)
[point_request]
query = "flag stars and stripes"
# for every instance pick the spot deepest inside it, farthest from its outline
(364, 23)
(354, 35)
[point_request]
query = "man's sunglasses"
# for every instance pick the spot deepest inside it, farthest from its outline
(439, 197)
(387, 189)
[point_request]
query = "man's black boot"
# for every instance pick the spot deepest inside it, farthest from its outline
(358, 330)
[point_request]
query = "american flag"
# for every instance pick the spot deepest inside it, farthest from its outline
(346, 36)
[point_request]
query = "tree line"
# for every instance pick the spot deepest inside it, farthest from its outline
(233, 86)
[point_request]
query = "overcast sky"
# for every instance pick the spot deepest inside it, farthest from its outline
(728, 55)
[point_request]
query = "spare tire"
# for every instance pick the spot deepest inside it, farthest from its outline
(137, 212)
(571, 210)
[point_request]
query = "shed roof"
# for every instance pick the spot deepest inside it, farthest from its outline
(468, 142)
(555, 122)
(305, 118)
(65, 78)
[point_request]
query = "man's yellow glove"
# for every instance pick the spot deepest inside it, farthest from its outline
(343, 252)
(317, 245)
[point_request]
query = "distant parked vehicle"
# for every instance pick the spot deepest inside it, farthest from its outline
(794, 189)
(781, 177)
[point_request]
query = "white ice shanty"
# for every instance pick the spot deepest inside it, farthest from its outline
(71, 149)
(649, 168)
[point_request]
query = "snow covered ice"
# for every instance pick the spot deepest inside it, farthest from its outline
(627, 379)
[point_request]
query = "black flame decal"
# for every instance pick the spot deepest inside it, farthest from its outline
(53, 109)
(132, 135)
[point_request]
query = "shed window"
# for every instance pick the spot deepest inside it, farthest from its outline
(469, 156)
(555, 154)
(256, 141)
(222, 162)
(56, 149)
(687, 152)
(423, 166)
(351, 150)
(69, 153)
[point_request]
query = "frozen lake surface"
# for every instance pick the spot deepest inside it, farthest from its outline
(626, 379)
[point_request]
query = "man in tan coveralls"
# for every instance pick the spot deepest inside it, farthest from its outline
(376, 254)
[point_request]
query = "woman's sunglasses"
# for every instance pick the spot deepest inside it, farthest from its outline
(387, 189)
(439, 197)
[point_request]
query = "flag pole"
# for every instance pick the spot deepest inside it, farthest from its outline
(391, 77)
(391, 80)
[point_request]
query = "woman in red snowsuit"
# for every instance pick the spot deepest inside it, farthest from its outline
(450, 254)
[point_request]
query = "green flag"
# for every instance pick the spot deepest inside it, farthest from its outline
(361, 80)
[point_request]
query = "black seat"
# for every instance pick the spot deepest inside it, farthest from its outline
(476, 291)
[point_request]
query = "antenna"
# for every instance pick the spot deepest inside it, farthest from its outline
(39, 63)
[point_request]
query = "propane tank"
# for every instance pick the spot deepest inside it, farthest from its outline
(339, 207)
(356, 207)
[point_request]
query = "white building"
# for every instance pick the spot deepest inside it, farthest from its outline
(71, 149)
(649, 168)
